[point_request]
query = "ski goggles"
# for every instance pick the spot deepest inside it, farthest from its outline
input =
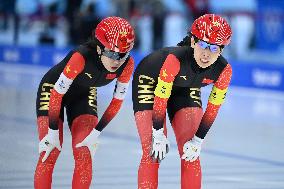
(204, 45)
(115, 55)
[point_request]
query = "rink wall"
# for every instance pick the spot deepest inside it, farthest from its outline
(263, 75)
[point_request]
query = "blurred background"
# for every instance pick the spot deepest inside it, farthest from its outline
(244, 148)
(40, 32)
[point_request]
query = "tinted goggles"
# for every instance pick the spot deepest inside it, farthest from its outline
(115, 55)
(204, 45)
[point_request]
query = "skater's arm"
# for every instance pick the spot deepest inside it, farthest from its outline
(121, 87)
(74, 66)
(216, 99)
(169, 70)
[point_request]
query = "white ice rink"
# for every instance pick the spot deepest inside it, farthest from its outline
(243, 150)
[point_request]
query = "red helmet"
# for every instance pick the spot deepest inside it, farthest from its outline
(213, 29)
(116, 34)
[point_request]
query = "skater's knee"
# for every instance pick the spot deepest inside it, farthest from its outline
(82, 155)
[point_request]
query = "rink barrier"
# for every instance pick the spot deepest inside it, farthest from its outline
(263, 75)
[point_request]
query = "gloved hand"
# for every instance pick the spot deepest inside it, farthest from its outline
(160, 144)
(191, 149)
(49, 142)
(91, 141)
